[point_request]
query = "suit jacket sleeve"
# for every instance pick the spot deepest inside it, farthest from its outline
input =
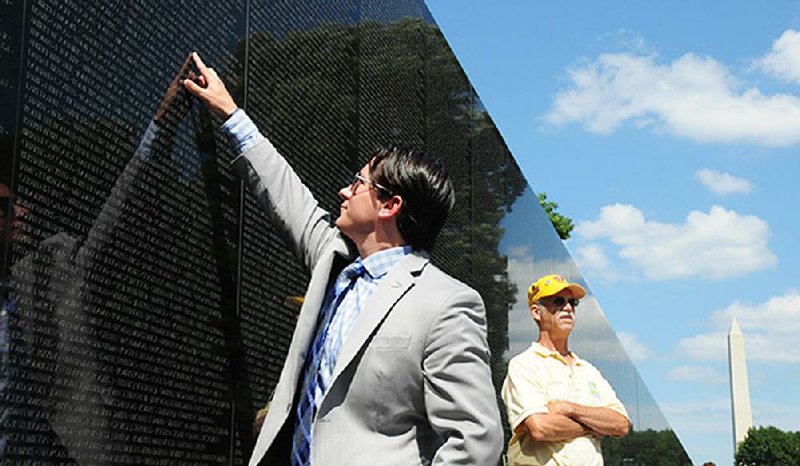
(459, 396)
(302, 223)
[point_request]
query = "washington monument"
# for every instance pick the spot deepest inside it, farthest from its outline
(740, 394)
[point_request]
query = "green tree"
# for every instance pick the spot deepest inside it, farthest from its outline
(561, 223)
(768, 446)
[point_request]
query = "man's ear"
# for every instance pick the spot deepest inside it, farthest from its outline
(536, 313)
(390, 207)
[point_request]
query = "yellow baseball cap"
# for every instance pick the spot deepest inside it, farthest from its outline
(550, 285)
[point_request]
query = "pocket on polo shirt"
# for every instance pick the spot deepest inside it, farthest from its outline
(559, 390)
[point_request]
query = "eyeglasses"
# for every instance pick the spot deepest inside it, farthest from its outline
(559, 302)
(357, 178)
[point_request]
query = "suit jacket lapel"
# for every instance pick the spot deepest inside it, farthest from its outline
(309, 315)
(392, 287)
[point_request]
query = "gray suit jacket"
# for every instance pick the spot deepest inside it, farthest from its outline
(412, 385)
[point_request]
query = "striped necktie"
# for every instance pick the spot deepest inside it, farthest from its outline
(306, 406)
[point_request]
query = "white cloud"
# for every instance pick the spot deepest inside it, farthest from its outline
(636, 350)
(693, 97)
(711, 346)
(703, 374)
(715, 414)
(783, 61)
(770, 331)
(595, 263)
(623, 40)
(593, 256)
(780, 314)
(723, 183)
(782, 416)
(718, 244)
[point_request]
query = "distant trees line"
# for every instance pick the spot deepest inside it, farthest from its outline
(768, 446)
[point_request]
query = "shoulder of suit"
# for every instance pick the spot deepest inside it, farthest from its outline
(432, 270)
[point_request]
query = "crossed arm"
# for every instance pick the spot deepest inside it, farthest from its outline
(566, 420)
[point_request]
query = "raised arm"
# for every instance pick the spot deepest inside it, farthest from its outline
(304, 226)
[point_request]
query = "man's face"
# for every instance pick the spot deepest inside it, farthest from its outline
(358, 214)
(10, 215)
(555, 318)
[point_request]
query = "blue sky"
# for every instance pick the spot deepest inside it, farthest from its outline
(670, 133)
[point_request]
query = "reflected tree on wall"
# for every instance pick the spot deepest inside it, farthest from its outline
(645, 448)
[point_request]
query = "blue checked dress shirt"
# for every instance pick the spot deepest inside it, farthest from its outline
(376, 266)
(241, 131)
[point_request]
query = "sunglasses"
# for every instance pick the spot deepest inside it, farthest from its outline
(560, 302)
(358, 179)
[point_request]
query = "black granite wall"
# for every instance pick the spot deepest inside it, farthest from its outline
(147, 303)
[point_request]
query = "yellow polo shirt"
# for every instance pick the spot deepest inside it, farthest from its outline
(538, 375)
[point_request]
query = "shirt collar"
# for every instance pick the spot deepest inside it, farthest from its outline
(379, 263)
(548, 353)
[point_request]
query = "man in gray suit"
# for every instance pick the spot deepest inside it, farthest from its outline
(389, 362)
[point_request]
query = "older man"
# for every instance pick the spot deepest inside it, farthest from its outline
(559, 406)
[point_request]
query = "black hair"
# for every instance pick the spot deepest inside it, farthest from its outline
(423, 183)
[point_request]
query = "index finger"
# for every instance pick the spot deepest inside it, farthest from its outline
(200, 65)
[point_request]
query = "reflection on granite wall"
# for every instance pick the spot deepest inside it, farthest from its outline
(147, 304)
